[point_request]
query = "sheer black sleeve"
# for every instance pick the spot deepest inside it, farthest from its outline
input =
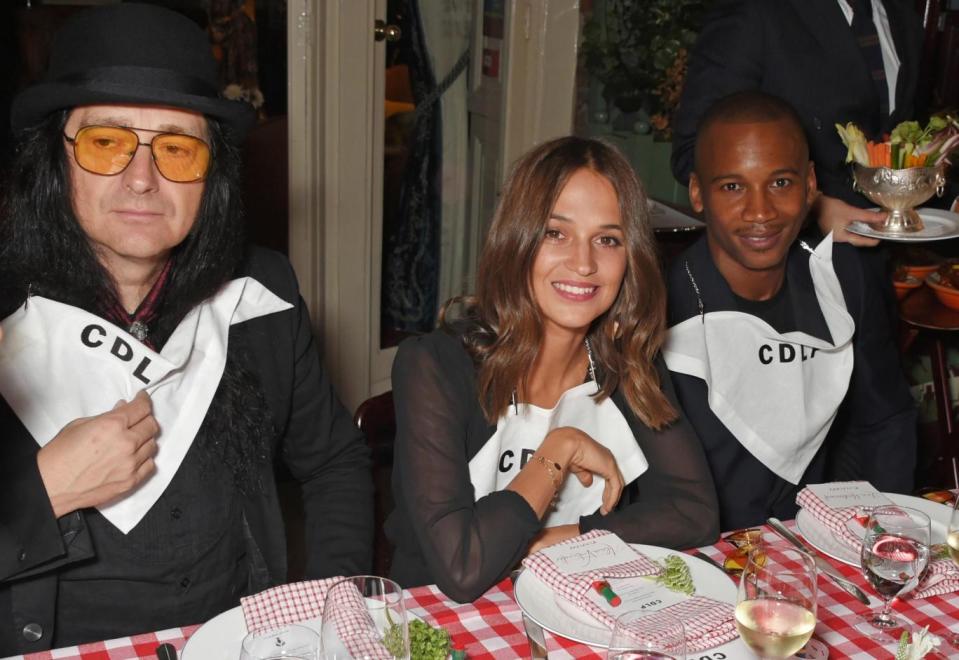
(467, 546)
(673, 503)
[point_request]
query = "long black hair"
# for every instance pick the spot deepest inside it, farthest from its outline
(44, 251)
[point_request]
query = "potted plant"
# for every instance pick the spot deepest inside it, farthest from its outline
(637, 50)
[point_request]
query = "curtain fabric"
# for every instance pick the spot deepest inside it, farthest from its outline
(448, 28)
(424, 257)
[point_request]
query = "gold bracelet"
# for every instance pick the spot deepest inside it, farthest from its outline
(551, 468)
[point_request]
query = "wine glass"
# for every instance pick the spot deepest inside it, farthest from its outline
(776, 600)
(895, 552)
(284, 643)
(364, 618)
(952, 547)
(952, 538)
(645, 635)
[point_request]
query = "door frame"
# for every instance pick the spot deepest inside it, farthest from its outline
(330, 111)
(333, 70)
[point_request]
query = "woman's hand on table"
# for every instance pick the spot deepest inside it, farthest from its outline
(567, 450)
(587, 458)
(97, 459)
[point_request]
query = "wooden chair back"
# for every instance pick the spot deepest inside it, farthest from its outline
(377, 419)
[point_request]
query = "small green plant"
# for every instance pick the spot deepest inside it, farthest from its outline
(426, 642)
(638, 50)
(675, 575)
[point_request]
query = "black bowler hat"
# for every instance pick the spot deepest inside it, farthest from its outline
(130, 53)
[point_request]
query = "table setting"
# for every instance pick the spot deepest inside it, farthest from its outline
(595, 596)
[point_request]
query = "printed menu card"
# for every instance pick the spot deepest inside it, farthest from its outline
(842, 494)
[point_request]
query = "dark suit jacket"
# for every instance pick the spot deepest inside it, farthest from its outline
(316, 439)
(804, 52)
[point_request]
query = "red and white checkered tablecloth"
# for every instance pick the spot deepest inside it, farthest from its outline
(491, 628)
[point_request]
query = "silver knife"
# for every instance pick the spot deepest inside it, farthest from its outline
(824, 566)
(709, 560)
(534, 632)
(536, 639)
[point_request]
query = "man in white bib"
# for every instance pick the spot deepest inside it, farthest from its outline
(153, 370)
(780, 351)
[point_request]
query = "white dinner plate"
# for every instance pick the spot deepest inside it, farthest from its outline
(938, 225)
(821, 538)
(220, 638)
(558, 616)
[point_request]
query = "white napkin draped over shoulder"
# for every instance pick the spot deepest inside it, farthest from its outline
(777, 393)
(59, 363)
(522, 430)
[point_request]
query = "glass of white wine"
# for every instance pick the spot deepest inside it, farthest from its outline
(952, 539)
(645, 635)
(952, 546)
(895, 552)
(776, 602)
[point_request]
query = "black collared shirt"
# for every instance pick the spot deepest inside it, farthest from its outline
(874, 434)
(185, 561)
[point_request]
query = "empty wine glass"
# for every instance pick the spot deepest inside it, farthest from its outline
(776, 600)
(895, 552)
(284, 643)
(364, 618)
(644, 635)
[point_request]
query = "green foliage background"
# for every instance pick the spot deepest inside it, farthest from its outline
(638, 48)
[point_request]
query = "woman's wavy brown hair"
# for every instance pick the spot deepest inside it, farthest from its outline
(505, 324)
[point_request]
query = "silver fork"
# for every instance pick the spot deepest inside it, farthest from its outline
(534, 632)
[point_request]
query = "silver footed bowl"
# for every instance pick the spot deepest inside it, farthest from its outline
(899, 192)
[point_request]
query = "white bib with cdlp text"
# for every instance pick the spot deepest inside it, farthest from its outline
(59, 363)
(520, 433)
(778, 394)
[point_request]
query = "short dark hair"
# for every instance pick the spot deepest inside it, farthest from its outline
(747, 107)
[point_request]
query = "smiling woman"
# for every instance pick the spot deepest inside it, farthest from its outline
(551, 370)
(580, 264)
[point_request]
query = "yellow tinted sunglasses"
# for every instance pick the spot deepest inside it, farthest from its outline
(108, 150)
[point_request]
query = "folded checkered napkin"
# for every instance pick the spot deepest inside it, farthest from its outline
(285, 604)
(299, 601)
(708, 622)
(834, 519)
(942, 577)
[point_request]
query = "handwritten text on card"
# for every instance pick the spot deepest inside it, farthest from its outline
(590, 555)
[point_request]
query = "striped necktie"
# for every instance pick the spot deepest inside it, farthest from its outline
(867, 38)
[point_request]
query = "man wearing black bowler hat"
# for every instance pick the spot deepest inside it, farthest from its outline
(152, 368)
